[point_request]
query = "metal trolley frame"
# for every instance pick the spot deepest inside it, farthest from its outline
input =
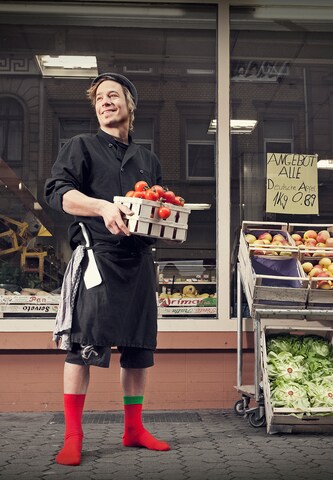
(256, 415)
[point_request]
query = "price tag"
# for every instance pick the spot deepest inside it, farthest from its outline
(292, 184)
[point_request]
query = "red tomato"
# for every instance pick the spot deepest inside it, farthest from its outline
(141, 186)
(130, 193)
(139, 194)
(169, 196)
(164, 212)
(151, 194)
(159, 190)
(179, 201)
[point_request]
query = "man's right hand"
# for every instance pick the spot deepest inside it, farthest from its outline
(77, 203)
(113, 215)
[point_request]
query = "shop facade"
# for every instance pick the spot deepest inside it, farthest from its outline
(220, 85)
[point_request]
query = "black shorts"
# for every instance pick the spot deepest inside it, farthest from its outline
(130, 357)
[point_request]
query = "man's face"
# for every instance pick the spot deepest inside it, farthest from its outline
(111, 107)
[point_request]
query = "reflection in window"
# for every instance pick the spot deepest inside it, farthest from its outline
(278, 136)
(291, 98)
(144, 133)
(200, 151)
(68, 128)
(11, 133)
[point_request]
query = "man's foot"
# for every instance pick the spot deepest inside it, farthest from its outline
(70, 454)
(143, 438)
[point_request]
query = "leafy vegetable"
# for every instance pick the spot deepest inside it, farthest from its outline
(300, 371)
(285, 365)
(321, 392)
(290, 394)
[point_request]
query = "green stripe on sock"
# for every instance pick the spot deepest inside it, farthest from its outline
(133, 400)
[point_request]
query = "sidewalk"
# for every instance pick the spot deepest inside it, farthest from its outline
(206, 445)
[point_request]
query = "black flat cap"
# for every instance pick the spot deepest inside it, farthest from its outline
(116, 77)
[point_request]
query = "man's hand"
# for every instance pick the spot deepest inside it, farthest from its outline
(77, 203)
(113, 215)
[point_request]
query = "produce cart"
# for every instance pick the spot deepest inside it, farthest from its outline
(278, 303)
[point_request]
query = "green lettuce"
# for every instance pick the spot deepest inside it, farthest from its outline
(289, 394)
(320, 393)
(300, 371)
(285, 365)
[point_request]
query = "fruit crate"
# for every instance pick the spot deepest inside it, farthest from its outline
(273, 282)
(318, 249)
(146, 222)
(276, 238)
(278, 419)
(320, 287)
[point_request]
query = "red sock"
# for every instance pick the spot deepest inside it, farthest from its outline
(135, 434)
(71, 452)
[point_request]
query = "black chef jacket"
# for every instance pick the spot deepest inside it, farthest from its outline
(88, 163)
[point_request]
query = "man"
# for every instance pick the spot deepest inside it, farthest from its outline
(117, 304)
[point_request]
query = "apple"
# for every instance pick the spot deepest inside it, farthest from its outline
(277, 243)
(322, 274)
(329, 242)
(265, 236)
(325, 262)
(322, 236)
(310, 242)
(258, 242)
(330, 268)
(266, 241)
(328, 273)
(324, 284)
(298, 242)
(279, 237)
(307, 267)
(296, 237)
(250, 238)
(309, 234)
(315, 271)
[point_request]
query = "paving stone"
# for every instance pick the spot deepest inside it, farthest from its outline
(221, 446)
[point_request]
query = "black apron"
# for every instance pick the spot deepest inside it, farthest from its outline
(122, 310)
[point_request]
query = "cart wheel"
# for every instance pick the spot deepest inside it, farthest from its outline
(239, 407)
(255, 421)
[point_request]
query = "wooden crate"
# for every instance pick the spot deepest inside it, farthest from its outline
(317, 297)
(257, 228)
(146, 222)
(271, 281)
(316, 252)
(283, 419)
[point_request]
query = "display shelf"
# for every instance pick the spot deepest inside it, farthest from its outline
(186, 289)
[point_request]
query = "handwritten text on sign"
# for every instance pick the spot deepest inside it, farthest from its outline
(292, 183)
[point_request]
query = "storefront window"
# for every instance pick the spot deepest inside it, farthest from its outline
(169, 52)
(281, 77)
(11, 132)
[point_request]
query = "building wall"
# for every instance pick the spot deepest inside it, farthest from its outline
(180, 380)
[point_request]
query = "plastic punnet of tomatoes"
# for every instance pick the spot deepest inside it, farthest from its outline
(153, 218)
